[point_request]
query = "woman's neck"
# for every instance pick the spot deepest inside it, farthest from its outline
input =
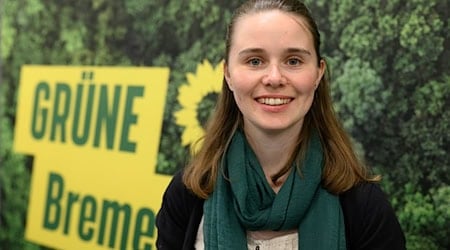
(273, 152)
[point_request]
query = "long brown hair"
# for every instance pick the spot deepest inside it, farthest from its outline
(342, 168)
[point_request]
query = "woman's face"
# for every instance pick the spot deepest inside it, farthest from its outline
(273, 70)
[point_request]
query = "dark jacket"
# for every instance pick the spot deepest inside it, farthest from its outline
(370, 221)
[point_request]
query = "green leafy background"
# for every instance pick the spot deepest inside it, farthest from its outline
(389, 64)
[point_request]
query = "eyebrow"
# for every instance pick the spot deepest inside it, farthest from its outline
(289, 50)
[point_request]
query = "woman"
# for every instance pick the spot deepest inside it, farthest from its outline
(276, 170)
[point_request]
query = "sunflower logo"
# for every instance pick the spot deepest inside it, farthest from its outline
(202, 88)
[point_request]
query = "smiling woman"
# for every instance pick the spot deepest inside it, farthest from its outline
(273, 71)
(276, 170)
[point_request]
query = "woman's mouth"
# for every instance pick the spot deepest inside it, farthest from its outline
(273, 101)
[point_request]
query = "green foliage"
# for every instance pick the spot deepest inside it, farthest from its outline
(426, 134)
(425, 217)
(14, 189)
(390, 102)
(7, 32)
(14, 176)
(392, 91)
(358, 89)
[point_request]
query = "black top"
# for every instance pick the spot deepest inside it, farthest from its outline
(370, 221)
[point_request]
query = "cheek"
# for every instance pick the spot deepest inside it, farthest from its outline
(242, 93)
(239, 96)
(238, 99)
(309, 83)
(241, 83)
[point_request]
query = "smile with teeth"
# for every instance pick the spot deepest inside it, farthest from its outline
(273, 101)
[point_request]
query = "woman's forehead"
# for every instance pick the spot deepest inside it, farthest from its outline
(274, 25)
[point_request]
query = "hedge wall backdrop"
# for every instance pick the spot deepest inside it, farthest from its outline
(390, 70)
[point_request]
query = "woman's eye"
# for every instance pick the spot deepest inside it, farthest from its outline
(254, 62)
(293, 61)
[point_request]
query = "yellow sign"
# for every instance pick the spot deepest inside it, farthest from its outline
(94, 134)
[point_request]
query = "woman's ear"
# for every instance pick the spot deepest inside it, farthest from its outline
(226, 74)
(322, 68)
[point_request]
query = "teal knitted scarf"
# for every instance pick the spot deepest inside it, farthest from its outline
(243, 200)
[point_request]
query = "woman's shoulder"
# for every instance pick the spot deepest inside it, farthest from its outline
(370, 220)
(177, 192)
(179, 215)
(362, 194)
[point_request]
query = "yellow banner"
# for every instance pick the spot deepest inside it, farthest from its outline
(94, 134)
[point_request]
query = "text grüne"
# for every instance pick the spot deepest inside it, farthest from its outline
(93, 113)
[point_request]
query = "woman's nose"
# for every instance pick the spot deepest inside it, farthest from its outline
(274, 76)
